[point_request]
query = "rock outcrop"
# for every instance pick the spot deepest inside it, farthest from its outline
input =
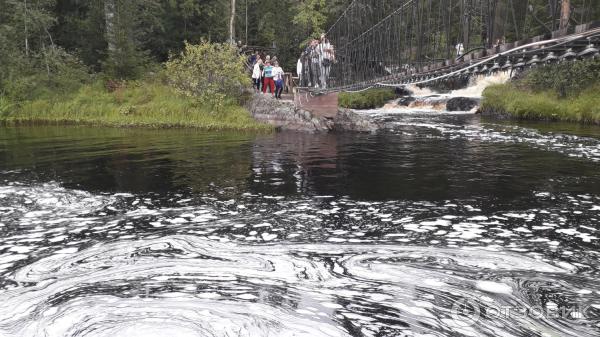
(462, 104)
(285, 116)
(349, 121)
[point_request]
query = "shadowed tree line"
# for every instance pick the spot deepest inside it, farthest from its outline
(123, 38)
(58, 44)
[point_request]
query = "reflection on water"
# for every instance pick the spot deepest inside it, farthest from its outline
(435, 226)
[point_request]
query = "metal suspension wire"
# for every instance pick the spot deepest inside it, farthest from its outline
(378, 42)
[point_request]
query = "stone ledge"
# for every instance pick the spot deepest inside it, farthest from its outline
(285, 116)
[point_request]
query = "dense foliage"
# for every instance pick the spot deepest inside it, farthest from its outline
(565, 79)
(210, 72)
(122, 37)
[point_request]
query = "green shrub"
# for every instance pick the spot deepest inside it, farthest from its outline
(5, 105)
(54, 72)
(210, 72)
(369, 99)
(565, 79)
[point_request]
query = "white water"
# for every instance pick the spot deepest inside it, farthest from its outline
(478, 84)
(428, 100)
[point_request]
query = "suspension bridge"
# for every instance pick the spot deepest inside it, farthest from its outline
(395, 43)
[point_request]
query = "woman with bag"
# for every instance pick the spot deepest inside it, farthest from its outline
(257, 74)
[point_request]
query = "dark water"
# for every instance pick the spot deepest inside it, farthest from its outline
(440, 225)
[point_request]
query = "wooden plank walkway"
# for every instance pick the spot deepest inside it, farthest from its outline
(320, 105)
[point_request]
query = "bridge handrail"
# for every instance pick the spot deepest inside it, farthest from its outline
(560, 41)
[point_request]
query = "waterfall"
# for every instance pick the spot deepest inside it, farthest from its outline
(478, 83)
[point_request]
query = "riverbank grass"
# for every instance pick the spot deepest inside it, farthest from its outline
(567, 91)
(520, 103)
(368, 99)
(134, 104)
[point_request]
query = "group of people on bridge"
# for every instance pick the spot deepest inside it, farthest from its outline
(313, 68)
(267, 74)
(314, 65)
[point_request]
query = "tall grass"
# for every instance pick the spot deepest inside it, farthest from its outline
(369, 99)
(521, 103)
(137, 104)
(567, 91)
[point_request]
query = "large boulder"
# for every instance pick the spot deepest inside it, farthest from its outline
(462, 104)
(285, 116)
(402, 91)
(350, 121)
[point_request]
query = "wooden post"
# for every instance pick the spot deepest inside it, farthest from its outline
(565, 15)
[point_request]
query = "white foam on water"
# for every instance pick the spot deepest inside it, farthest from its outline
(478, 84)
(494, 287)
(203, 278)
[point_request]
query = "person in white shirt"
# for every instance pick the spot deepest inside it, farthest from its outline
(326, 58)
(315, 63)
(278, 76)
(460, 49)
(299, 70)
(257, 74)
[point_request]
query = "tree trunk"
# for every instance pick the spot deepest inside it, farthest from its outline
(232, 23)
(109, 18)
(466, 11)
(565, 14)
(26, 30)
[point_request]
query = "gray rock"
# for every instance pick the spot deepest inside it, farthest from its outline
(406, 101)
(462, 104)
(285, 116)
(350, 121)
(402, 91)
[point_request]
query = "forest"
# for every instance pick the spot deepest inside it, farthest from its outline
(51, 48)
(125, 38)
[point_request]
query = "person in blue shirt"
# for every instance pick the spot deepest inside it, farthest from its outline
(268, 78)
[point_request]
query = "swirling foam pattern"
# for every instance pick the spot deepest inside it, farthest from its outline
(117, 265)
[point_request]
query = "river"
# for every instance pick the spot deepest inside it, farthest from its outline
(439, 225)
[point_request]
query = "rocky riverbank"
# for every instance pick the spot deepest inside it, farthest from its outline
(284, 115)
